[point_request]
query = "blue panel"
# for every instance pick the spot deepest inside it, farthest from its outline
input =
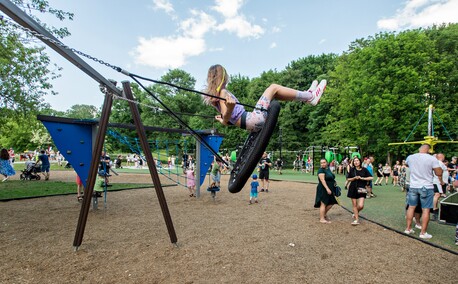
(74, 141)
(206, 157)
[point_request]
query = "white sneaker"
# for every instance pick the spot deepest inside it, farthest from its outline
(409, 232)
(418, 227)
(318, 92)
(5, 179)
(313, 86)
(425, 236)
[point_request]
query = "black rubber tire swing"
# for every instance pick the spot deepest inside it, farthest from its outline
(252, 150)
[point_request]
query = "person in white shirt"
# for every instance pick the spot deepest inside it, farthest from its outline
(422, 165)
(441, 188)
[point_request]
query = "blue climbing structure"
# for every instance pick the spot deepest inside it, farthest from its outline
(206, 156)
(74, 139)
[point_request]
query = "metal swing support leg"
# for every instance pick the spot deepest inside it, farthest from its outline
(150, 161)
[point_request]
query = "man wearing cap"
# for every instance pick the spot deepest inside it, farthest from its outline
(422, 165)
(264, 166)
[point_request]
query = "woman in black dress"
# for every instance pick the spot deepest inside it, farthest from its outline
(379, 175)
(325, 191)
(359, 177)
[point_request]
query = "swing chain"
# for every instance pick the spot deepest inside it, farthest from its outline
(154, 108)
(58, 43)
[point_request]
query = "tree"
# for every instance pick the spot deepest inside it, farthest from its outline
(379, 86)
(25, 72)
(82, 112)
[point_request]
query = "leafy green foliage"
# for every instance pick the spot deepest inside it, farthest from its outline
(25, 76)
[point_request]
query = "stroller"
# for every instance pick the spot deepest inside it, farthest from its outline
(31, 171)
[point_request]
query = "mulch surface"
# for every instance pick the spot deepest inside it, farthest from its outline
(278, 240)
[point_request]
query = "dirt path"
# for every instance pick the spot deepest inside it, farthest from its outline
(278, 240)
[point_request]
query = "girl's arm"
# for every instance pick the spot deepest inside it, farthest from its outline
(226, 107)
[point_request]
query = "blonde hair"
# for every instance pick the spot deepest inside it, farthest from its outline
(217, 79)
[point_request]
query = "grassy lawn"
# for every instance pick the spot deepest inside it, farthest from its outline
(388, 208)
(15, 189)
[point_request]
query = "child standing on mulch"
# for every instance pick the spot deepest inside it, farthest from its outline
(254, 189)
(191, 183)
(79, 188)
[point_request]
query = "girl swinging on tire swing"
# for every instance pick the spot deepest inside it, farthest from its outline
(232, 113)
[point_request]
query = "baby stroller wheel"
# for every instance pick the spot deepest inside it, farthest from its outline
(38, 177)
(22, 177)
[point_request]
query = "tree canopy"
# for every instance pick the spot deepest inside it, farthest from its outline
(26, 74)
(377, 91)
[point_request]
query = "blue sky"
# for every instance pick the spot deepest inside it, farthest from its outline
(149, 37)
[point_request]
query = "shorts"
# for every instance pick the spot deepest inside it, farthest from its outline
(253, 194)
(440, 188)
(264, 175)
(418, 207)
(436, 189)
(216, 178)
(45, 168)
(254, 121)
(386, 174)
(425, 195)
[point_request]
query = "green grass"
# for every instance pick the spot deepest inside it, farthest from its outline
(14, 189)
(19, 166)
(388, 208)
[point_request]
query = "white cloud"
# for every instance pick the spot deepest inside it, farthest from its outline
(198, 25)
(234, 21)
(169, 52)
(273, 45)
(322, 41)
(189, 40)
(422, 13)
(228, 8)
(163, 5)
(241, 27)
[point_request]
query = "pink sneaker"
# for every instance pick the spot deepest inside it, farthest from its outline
(318, 92)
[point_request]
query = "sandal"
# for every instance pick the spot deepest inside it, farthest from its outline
(325, 222)
(80, 198)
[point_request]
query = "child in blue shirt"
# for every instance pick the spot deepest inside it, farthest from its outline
(254, 189)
